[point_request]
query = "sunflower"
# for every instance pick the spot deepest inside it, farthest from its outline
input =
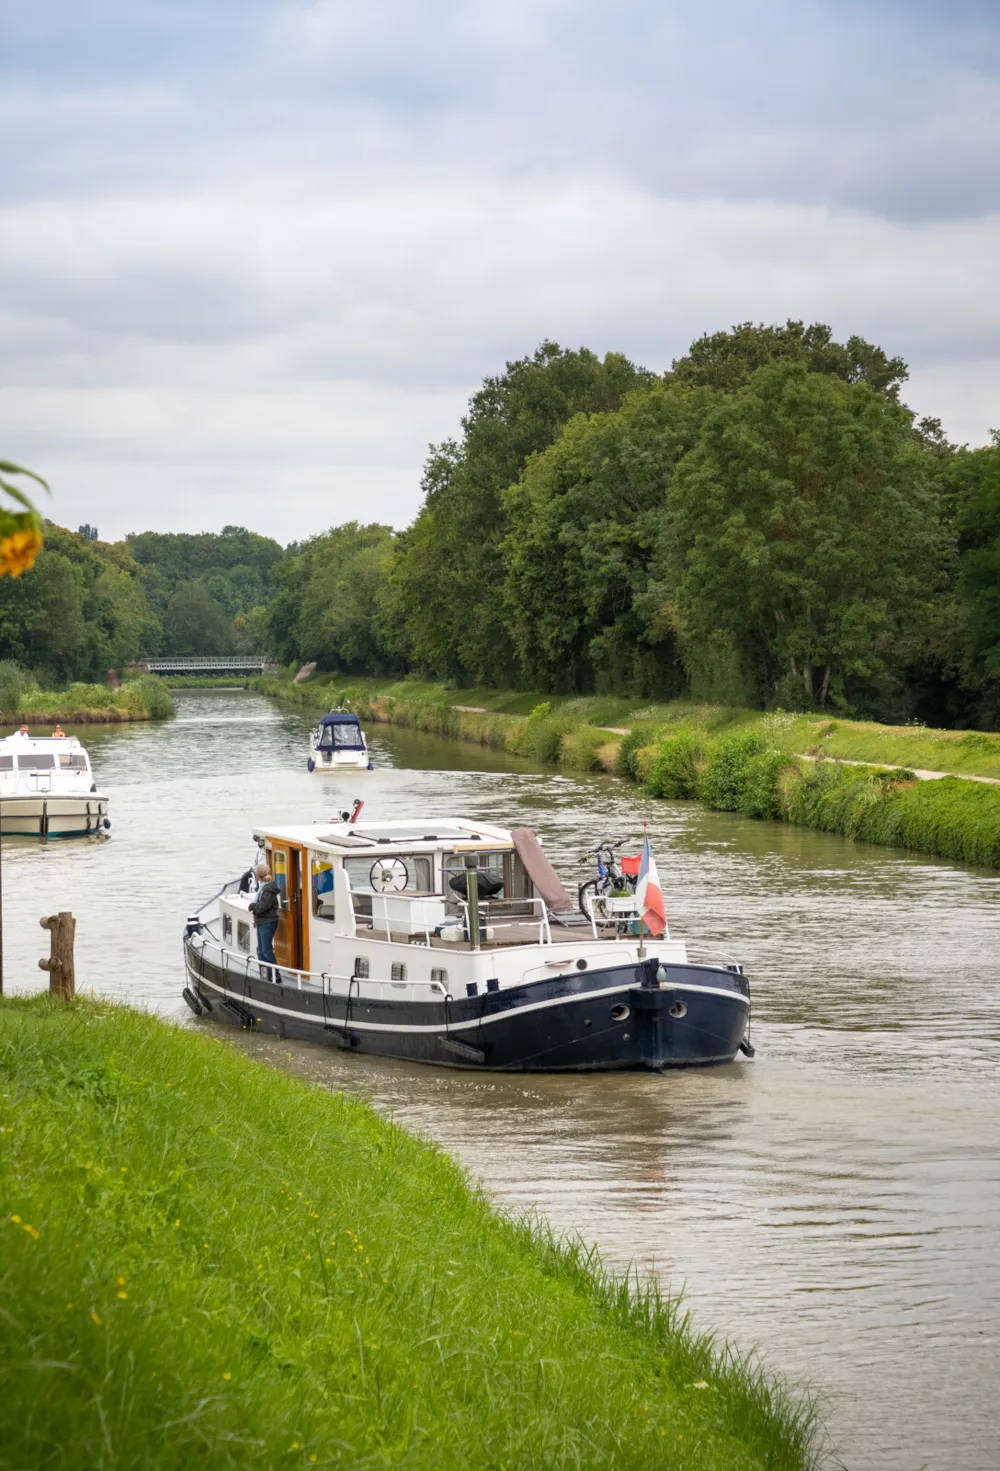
(18, 551)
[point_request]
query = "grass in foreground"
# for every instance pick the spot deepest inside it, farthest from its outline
(209, 1263)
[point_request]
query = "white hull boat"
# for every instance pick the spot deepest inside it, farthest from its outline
(47, 789)
(454, 941)
(338, 744)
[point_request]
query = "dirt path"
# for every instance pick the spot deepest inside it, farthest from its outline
(920, 774)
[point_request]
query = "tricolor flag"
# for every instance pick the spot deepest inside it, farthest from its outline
(648, 894)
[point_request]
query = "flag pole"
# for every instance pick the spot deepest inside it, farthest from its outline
(642, 924)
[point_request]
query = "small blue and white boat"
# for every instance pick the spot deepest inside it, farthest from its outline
(338, 744)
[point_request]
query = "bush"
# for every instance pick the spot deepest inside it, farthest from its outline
(759, 791)
(626, 763)
(581, 747)
(541, 735)
(677, 765)
(154, 695)
(728, 771)
(15, 683)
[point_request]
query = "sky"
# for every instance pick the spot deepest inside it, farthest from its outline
(256, 254)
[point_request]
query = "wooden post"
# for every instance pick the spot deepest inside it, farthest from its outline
(62, 976)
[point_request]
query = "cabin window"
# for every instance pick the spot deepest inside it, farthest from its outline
(74, 763)
(279, 868)
(361, 967)
(6, 763)
(37, 761)
(439, 977)
(490, 863)
(322, 889)
(227, 927)
(341, 737)
(391, 873)
(398, 971)
(243, 935)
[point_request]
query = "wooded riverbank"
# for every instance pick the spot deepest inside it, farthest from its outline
(282, 1277)
(23, 702)
(764, 765)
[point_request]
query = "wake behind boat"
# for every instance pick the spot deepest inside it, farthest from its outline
(454, 941)
(338, 744)
(47, 789)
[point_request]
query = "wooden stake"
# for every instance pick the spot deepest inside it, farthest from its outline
(62, 975)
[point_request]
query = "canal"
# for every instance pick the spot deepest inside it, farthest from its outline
(836, 1201)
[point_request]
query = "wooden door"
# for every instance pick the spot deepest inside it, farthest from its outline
(286, 865)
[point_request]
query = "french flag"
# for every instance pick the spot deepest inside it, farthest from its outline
(648, 893)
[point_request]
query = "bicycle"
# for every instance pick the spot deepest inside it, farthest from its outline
(611, 879)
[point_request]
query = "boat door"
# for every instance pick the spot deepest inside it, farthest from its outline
(286, 866)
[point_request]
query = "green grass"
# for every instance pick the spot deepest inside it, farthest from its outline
(206, 1262)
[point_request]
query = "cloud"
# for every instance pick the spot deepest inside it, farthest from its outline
(259, 244)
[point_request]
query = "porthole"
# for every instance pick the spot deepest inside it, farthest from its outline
(581, 964)
(677, 1009)
(619, 1013)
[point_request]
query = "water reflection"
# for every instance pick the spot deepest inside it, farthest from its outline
(837, 1200)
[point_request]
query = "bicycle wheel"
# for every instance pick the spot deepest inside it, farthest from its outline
(593, 887)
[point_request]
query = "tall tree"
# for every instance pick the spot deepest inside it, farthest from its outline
(451, 561)
(725, 360)
(977, 477)
(803, 536)
(582, 525)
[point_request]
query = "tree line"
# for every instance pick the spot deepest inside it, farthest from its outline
(766, 523)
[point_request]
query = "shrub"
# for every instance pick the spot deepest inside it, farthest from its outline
(727, 773)
(759, 791)
(581, 746)
(626, 763)
(15, 683)
(677, 765)
(541, 735)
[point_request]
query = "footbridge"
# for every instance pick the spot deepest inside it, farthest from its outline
(177, 664)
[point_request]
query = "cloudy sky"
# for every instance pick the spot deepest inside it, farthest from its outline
(255, 254)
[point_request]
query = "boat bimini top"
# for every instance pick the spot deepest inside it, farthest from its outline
(340, 731)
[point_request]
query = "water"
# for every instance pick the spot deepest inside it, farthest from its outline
(836, 1201)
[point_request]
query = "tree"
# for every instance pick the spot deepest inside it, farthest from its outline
(726, 360)
(451, 561)
(583, 522)
(976, 476)
(803, 537)
(194, 623)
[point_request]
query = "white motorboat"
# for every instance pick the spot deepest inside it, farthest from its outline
(47, 789)
(450, 940)
(338, 744)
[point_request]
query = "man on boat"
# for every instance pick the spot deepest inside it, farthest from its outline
(266, 910)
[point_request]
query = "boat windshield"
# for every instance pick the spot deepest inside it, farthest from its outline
(341, 737)
(36, 761)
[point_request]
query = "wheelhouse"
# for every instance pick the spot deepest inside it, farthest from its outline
(340, 731)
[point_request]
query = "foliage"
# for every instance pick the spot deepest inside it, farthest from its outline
(727, 770)
(977, 476)
(803, 535)
(677, 767)
(727, 360)
(333, 595)
(265, 1264)
(582, 526)
(15, 683)
(449, 576)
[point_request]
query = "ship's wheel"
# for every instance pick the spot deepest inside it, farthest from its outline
(388, 875)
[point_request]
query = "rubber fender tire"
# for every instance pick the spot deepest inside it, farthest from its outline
(192, 1000)
(310, 764)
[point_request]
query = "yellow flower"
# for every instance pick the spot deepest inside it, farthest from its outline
(18, 552)
(121, 1281)
(123, 1295)
(96, 1319)
(16, 1220)
(227, 1376)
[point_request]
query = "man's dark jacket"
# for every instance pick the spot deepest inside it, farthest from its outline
(266, 908)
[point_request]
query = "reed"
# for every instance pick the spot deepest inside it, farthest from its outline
(207, 1262)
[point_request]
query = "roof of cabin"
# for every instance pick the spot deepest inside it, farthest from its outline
(40, 743)
(431, 834)
(340, 717)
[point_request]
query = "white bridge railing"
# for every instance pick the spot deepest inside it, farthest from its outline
(204, 664)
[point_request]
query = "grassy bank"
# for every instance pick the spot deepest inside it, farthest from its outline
(210, 1263)
(681, 751)
(22, 701)
(206, 682)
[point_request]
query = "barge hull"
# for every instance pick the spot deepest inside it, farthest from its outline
(618, 1018)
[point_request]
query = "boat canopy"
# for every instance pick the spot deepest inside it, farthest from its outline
(341, 730)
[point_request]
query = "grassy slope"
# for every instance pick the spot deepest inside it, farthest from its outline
(965, 753)
(208, 1263)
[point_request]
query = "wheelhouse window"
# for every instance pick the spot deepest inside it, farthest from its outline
(344, 736)
(75, 762)
(243, 935)
(322, 889)
(6, 763)
(279, 869)
(36, 761)
(361, 967)
(392, 873)
(494, 865)
(227, 927)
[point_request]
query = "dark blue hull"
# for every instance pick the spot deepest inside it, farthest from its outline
(621, 1017)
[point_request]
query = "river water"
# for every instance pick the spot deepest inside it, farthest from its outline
(836, 1201)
